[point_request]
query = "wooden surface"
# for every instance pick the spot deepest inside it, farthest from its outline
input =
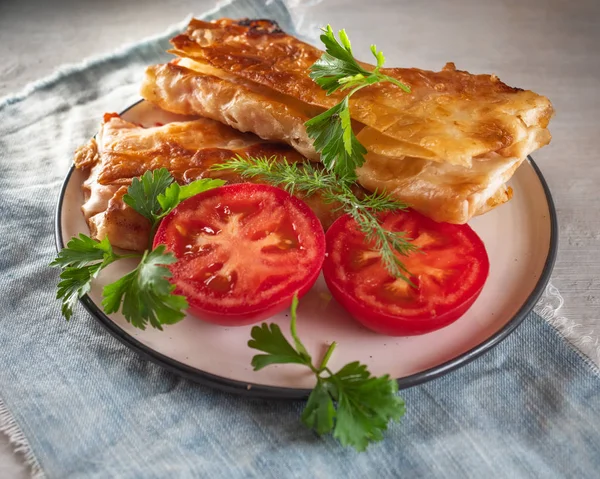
(549, 46)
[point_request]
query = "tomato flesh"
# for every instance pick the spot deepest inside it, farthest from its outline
(243, 251)
(448, 274)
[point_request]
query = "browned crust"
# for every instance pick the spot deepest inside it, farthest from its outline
(123, 158)
(86, 155)
(490, 115)
(184, 91)
(124, 227)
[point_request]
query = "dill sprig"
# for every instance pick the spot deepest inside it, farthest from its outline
(305, 178)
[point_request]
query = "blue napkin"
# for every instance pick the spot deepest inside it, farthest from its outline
(80, 404)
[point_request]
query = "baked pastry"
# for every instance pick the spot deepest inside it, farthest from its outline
(447, 148)
(122, 151)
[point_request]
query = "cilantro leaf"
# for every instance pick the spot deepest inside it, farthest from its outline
(146, 295)
(142, 194)
(175, 194)
(341, 152)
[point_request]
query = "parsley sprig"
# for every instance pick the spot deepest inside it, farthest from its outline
(337, 69)
(144, 295)
(81, 261)
(305, 178)
(155, 194)
(351, 403)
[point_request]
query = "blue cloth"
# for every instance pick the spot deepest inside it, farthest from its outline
(88, 407)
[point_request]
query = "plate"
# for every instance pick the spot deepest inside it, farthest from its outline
(520, 237)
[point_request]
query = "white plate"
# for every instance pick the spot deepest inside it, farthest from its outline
(521, 241)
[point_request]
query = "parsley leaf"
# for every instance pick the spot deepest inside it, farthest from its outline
(319, 412)
(351, 403)
(341, 152)
(146, 293)
(337, 69)
(142, 194)
(365, 405)
(337, 64)
(74, 284)
(83, 250)
(269, 339)
(81, 260)
(175, 194)
(156, 194)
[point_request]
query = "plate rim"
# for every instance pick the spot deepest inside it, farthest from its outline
(265, 391)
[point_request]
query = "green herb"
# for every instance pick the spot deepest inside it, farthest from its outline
(144, 295)
(142, 194)
(81, 261)
(351, 403)
(334, 139)
(305, 178)
(337, 69)
(155, 194)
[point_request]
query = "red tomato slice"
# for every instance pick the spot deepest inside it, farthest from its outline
(448, 276)
(243, 251)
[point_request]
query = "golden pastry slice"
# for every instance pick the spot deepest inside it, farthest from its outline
(450, 116)
(179, 89)
(123, 150)
(442, 191)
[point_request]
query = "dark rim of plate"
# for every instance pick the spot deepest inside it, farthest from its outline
(259, 390)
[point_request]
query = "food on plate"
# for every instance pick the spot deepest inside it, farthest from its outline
(449, 116)
(447, 274)
(307, 179)
(442, 191)
(242, 251)
(448, 147)
(143, 295)
(268, 108)
(352, 404)
(183, 87)
(188, 149)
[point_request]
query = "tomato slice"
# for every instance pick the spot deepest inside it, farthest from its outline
(243, 251)
(448, 274)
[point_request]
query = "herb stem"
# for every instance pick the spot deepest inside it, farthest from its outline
(129, 255)
(153, 234)
(327, 356)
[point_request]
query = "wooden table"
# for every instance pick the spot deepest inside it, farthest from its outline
(549, 46)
